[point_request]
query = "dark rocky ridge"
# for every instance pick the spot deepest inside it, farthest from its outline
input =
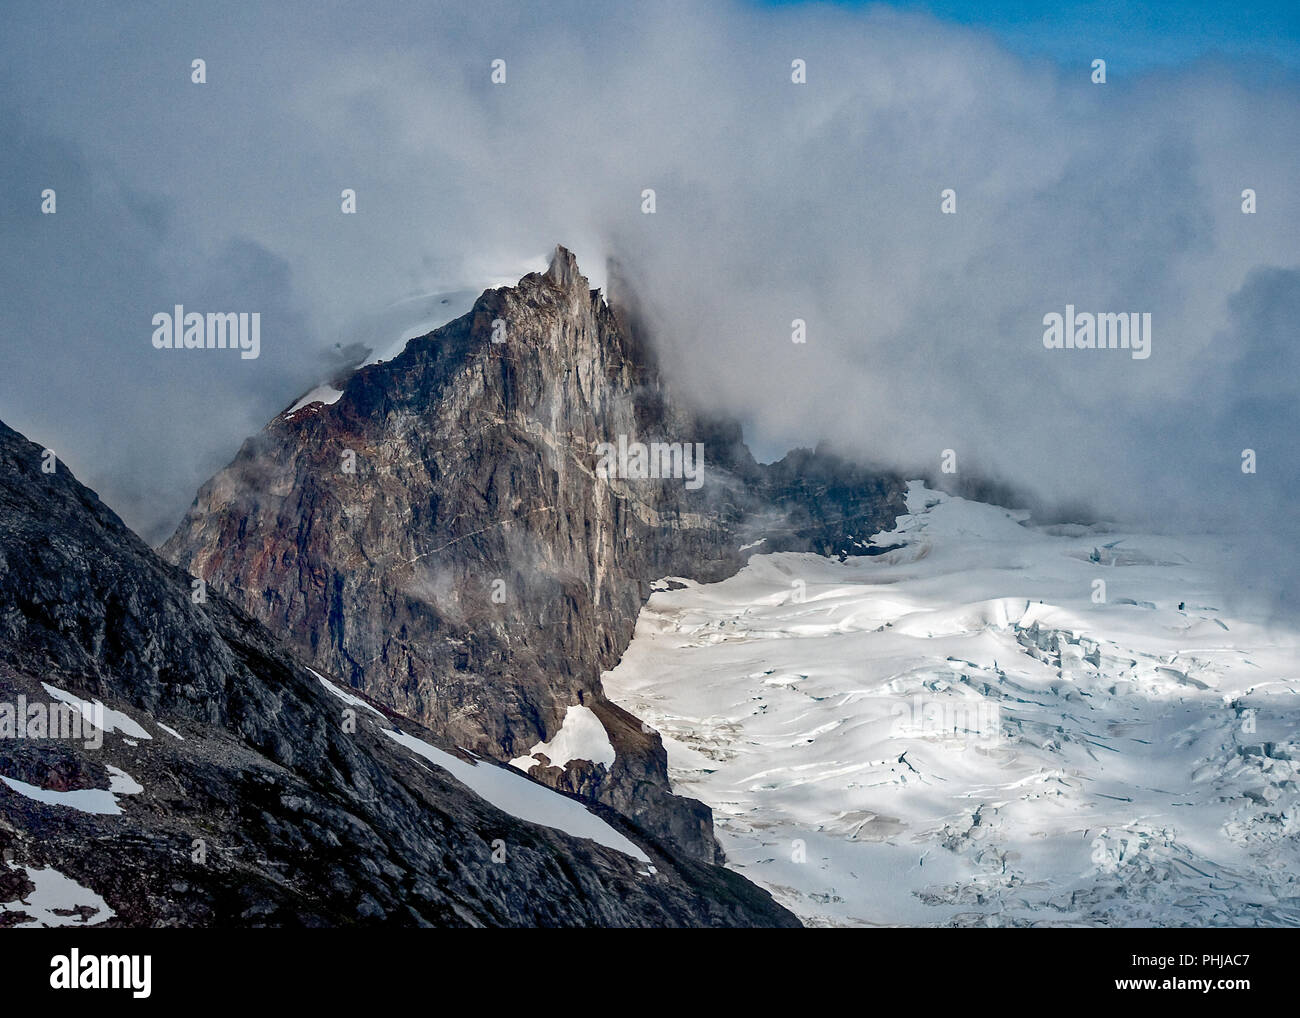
(304, 822)
(476, 472)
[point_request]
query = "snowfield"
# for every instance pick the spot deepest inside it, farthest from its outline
(970, 730)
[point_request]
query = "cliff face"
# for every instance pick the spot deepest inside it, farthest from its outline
(231, 786)
(445, 539)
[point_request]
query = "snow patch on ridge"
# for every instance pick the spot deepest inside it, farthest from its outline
(324, 394)
(523, 798)
(507, 790)
(418, 316)
(581, 737)
(345, 696)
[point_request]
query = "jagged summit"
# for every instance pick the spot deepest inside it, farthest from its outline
(473, 565)
(563, 270)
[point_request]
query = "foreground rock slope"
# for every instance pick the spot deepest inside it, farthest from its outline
(228, 784)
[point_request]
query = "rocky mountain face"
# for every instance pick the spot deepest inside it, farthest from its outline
(229, 785)
(451, 538)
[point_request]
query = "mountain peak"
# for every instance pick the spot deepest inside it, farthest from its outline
(563, 270)
(214, 722)
(481, 479)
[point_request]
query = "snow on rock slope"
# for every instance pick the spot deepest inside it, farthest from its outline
(55, 900)
(956, 732)
(285, 804)
(506, 790)
(581, 737)
(386, 337)
(522, 798)
(326, 395)
(418, 316)
(87, 800)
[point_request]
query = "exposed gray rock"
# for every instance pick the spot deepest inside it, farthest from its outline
(271, 811)
(476, 474)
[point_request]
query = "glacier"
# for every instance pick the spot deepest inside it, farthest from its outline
(969, 730)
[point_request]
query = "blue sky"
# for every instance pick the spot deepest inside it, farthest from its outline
(1130, 36)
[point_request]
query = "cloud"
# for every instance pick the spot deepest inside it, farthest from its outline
(775, 201)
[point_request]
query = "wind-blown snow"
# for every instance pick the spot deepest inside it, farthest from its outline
(391, 329)
(581, 737)
(55, 894)
(421, 315)
(953, 732)
(111, 720)
(398, 324)
(324, 394)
